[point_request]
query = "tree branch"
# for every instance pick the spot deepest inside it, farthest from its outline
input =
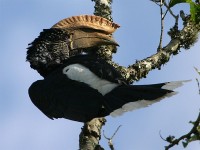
(168, 8)
(162, 26)
(188, 136)
(91, 134)
(110, 139)
(91, 131)
(103, 9)
(198, 85)
(179, 39)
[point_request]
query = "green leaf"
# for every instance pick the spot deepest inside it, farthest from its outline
(170, 138)
(195, 12)
(198, 129)
(191, 139)
(194, 8)
(194, 138)
(185, 144)
(174, 2)
(198, 71)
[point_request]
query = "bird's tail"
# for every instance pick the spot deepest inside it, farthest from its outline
(130, 97)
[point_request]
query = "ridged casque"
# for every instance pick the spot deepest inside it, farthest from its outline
(88, 21)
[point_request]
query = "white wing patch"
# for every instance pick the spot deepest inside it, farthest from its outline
(138, 104)
(80, 73)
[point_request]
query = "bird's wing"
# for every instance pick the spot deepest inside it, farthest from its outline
(130, 97)
(99, 67)
(59, 97)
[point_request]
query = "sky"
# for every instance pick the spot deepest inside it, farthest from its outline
(24, 127)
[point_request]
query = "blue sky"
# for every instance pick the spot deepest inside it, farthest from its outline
(23, 126)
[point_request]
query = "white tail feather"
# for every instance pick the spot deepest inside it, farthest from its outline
(174, 84)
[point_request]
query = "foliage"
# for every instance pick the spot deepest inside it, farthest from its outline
(198, 71)
(192, 135)
(194, 8)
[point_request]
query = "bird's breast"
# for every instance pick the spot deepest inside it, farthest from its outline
(80, 73)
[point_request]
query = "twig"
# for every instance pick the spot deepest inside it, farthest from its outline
(162, 17)
(157, 2)
(110, 139)
(186, 136)
(161, 136)
(162, 25)
(198, 85)
(175, 16)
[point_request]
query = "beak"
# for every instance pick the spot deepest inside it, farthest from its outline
(87, 38)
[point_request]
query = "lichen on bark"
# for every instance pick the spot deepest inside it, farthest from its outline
(91, 131)
(184, 38)
(91, 134)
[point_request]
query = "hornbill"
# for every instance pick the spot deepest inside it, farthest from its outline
(79, 85)
(86, 87)
(69, 37)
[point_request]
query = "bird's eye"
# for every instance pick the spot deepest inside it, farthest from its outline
(65, 70)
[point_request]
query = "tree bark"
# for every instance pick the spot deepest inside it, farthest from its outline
(91, 131)
(91, 134)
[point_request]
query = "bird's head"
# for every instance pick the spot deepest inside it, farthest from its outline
(86, 38)
(69, 37)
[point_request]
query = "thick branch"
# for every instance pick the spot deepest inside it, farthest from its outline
(91, 131)
(184, 38)
(91, 134)
(103, 9)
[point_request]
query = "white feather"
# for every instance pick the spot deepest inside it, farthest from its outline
(138, 104)
(80, 73)
(174, 84)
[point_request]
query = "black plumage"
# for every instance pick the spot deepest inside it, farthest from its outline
(60, 96)
(55, 45)
(48, 51)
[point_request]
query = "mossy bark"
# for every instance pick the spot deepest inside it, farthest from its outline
(184, 38)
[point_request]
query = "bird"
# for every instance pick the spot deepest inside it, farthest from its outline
(78, 84)
(86, 86)
(69, 37)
